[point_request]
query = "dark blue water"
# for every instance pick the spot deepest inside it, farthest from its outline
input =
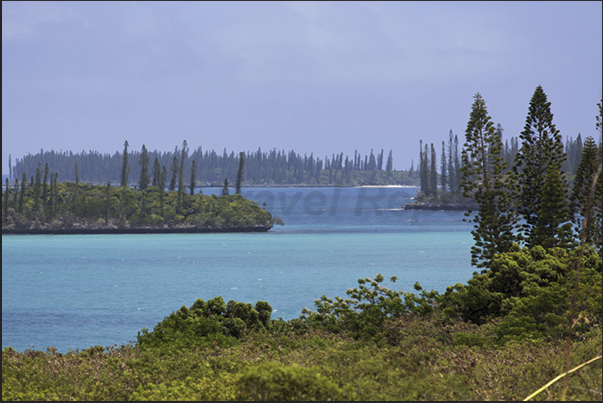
(76, 291)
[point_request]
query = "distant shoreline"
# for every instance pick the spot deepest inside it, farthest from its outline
(91, 231)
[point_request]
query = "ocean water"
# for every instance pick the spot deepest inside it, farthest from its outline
(77, 291)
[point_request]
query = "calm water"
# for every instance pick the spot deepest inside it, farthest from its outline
(76, 291)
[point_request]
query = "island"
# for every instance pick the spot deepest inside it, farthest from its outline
(73, 208)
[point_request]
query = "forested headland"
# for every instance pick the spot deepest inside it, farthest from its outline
(527, 326)
(45, 205)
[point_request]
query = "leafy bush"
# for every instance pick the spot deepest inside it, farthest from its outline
(206, 323)
(367, 307)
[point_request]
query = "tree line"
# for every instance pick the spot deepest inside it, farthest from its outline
(531, 201)
(446, 176)
(275, 167)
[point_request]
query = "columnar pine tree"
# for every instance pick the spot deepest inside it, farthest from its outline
(74, 209)
(554, 228)
(541, 147)
(424, 170)
(225, 191)
(107, 201)
(38, 187)
(16, 196)
(22, 193)
(192, 182)
(162, 183)
(433, 173)
(240, 172)
(181, 176)
(457, 166)
(45, 184)
(144, 161)
(443, 168)
(124, 165)
(389, 166)
(156, 172)
(483, 179)
(174, 173)
(586, 200)
(451, 171)
(125, 172)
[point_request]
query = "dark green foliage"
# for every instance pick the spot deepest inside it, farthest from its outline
(205, 323)
(531, 290)
(240, 172)
(174, 173)
(143, 161)
(45, 185)
(423, 168)
(22, 193)
(156, 172)
(181, 190)
(124, 166)
(484, 180)
(444, 168)
(367, 307)
(586, 198)
(38, 187)
(541, 146)
(122, 208)
(192, 181)
(433, 173)
(225, 191)
(554, 228)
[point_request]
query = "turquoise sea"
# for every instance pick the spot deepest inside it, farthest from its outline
(77, 291)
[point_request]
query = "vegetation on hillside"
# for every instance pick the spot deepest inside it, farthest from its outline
(80, 206)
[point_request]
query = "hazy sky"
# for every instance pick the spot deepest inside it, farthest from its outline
(313, 77)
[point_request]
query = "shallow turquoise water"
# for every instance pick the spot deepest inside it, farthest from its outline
(76, 291)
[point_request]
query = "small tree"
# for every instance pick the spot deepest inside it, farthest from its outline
(240, 172)
(156, 172)
(225, 191)
(174, 173)
(143, 161)
(193, 172)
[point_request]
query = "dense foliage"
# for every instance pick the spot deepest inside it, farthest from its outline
(70, 205)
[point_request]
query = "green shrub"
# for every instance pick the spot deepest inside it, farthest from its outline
(278, 382)
(206, 324)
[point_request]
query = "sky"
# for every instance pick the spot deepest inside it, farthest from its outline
(321, 77)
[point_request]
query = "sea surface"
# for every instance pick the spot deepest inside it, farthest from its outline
(77, 291)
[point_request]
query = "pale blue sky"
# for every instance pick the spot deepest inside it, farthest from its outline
(313, 77)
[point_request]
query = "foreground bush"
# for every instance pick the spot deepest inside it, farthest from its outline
(206, 323)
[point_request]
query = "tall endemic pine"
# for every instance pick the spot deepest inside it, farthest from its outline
(240, 172)
(483, 179)
(143, 161)
(541, 146)
(554, 227)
